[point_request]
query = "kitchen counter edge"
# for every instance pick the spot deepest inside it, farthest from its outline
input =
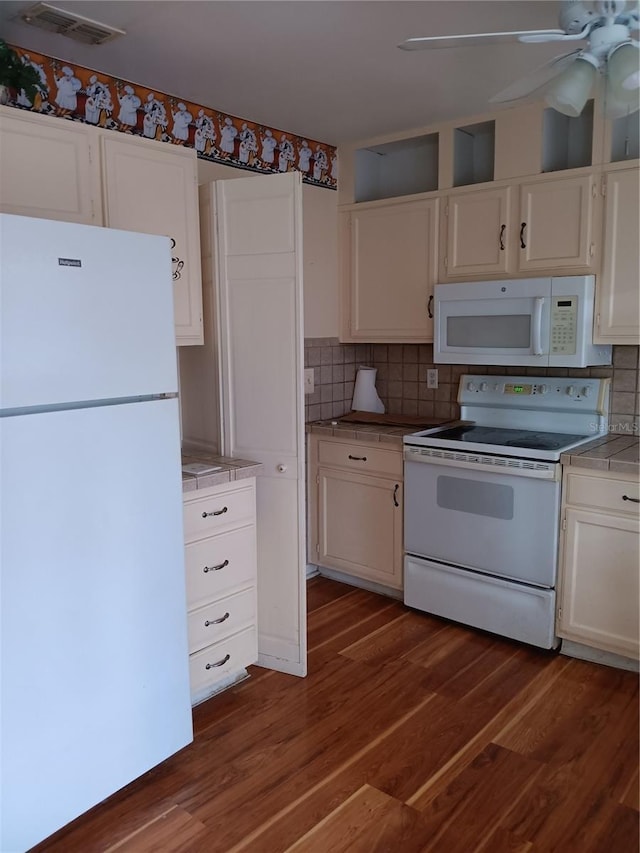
(614, 453)
(231, 469)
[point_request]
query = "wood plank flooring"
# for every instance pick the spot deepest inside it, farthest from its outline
(409, 734)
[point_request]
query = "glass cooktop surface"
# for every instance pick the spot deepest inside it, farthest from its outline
(499, 436)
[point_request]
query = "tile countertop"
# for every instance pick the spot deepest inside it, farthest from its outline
(366, 432)
(615, 453)
(230, 470)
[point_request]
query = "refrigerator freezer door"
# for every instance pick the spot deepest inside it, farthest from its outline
(95, 683)
(86, 313)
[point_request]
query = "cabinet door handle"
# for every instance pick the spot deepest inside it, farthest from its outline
(215, 512)
(633, 500)
(523, 226)
(395, 493)
(430, 307)
(216, 621)
(215, 568)
(358, 458)
(502, 228)
(219, 663)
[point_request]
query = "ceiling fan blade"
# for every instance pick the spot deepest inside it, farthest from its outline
(536, 80)
(535, 38)
(473, 39)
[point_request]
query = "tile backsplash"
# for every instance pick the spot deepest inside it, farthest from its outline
(401, 380)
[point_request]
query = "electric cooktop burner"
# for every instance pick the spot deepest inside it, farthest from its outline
(509, 437)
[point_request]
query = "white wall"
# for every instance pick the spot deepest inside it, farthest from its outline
(320, 250)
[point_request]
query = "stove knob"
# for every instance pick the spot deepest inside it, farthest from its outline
(543, 389)
(471, 386)
(571, 390)
(586, 391)
(484, 386)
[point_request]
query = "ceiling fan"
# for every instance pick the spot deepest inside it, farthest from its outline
(568, 80)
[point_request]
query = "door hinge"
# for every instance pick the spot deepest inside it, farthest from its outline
(597, 321)
(564, 524)
(317, 547)
(594, 190)
(603, 185)
(559, 612)
(592, 249)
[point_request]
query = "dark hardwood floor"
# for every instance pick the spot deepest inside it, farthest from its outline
(409, 734)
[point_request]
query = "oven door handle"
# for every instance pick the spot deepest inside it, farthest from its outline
(537, 325)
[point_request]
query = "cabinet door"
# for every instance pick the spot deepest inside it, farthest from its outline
(45, 168)
(599, 602)
(618, 311)
(391, 271)
(152, 187)
(360, 525)
(477, 234)
(555, 229)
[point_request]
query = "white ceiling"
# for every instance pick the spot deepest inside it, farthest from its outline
(325, 69)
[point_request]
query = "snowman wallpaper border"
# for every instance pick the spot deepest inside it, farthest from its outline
(81, 94)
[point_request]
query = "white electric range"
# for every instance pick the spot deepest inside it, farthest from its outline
(482, 501)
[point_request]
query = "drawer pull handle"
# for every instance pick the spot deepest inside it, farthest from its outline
(216, 621)
(430, 307)
(502, 229)
(358, 458)
(219, 663)
(215, 568)
(395, 494)
(523, 245)
(215, 512)
(633, 500)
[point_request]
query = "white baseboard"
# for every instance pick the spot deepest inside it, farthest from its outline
(578, 650)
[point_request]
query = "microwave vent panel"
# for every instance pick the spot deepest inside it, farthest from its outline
(76, 27)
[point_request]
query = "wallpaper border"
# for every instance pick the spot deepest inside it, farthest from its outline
(92, 97)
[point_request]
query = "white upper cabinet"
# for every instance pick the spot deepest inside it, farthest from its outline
(46, 169)
(618, 293)
(152, 187)
(390, 257)
(555, 228)
(543, 225)
(476, 229)
(58, 169)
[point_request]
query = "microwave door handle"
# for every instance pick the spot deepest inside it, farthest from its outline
(537, 325)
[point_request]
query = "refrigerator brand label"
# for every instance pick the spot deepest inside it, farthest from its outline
(69, 262)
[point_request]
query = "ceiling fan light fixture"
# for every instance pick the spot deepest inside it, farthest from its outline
(623, 71)
(570, 91)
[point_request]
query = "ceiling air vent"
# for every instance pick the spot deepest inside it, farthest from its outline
(76, 27)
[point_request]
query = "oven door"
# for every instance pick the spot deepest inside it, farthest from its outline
(503, 524)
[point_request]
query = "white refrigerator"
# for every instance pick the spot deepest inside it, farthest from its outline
(94, 684)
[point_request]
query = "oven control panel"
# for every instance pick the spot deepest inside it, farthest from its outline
(582, 394)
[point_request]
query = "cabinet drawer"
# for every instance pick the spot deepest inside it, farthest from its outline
(217, 565)
(360, 457)
(206, 515)
(214, 622)
(604, 493)
(219, 659)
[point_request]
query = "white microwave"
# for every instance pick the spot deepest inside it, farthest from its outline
(538, 322)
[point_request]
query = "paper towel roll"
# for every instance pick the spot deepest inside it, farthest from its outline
(365, 396)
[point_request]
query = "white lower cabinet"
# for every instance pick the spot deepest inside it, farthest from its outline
(356, 509)
(599, 575)
(220, 560)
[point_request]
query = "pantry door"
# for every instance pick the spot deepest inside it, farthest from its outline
(259, 271)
